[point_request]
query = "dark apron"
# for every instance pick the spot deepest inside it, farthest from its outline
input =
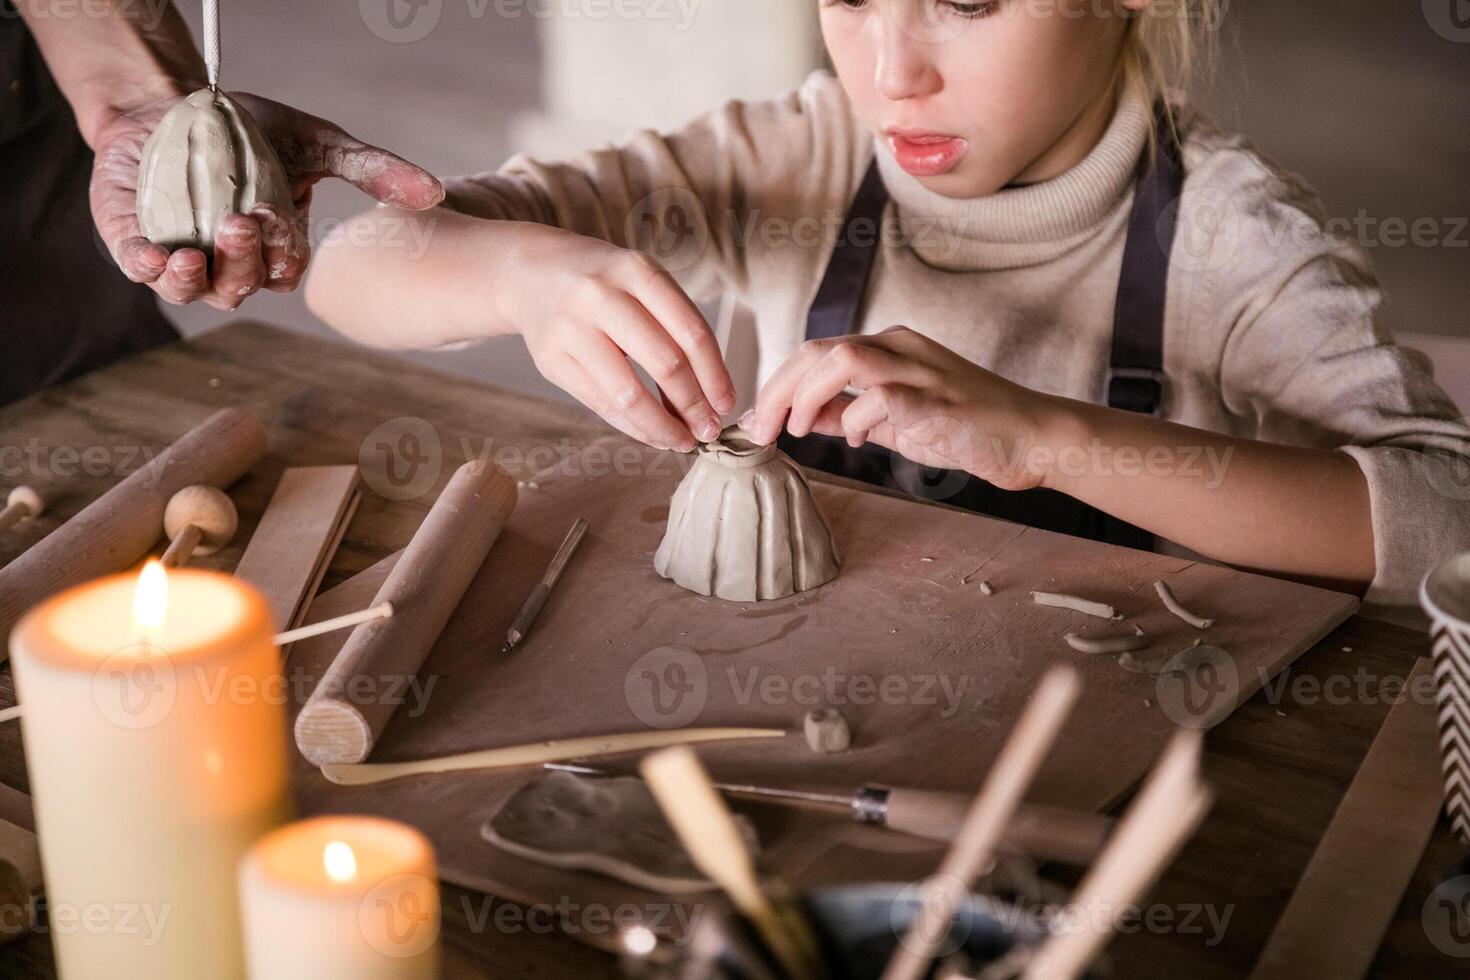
(65, 307)
(1135, 381)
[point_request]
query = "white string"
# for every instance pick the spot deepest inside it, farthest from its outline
(211, 41)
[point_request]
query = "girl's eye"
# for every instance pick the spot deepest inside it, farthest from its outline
(974, 10)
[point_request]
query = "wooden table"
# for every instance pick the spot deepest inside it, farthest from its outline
(1280, 767)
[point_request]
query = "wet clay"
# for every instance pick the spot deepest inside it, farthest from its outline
(743, 525)
(207, 159)
(611, 826)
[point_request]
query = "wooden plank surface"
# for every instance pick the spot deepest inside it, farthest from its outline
(1280, 765)
(1346, 899)
(903, 642)
(293, 544)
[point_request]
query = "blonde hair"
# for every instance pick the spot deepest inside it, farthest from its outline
(1170, 47)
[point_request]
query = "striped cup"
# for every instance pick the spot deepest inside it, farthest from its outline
(1445, 595)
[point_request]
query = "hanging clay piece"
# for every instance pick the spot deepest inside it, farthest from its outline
(207, 159)
(826, 731)
(611, 826)
(743, 525)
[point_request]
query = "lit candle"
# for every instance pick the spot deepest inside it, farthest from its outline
(155, 740)
(343, 897)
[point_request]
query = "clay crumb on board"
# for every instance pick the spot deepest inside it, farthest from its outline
(987, 588)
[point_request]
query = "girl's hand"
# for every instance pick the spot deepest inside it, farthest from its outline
(262, 249)
(585, 308)
(918, 398)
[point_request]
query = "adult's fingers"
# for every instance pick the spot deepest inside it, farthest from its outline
(140, 259)
(632, 328)
(609, 369)
(284, 250)
(854, 364)
(661, 295)
(382, 175)
(186, 277)
(237, 269)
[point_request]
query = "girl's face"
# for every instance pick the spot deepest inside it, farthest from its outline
(971, 97)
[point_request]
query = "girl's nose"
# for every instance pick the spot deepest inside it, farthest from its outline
(905, 70)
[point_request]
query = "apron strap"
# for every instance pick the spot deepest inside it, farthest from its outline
(1135, 379)
(834, 313)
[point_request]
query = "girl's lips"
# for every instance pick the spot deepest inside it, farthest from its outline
(926, 154)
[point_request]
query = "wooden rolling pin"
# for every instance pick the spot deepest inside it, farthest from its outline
(123, 525)
(424, 587)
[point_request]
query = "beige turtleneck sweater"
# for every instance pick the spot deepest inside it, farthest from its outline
(1273, 330)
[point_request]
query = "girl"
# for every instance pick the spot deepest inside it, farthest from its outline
(1116, 321)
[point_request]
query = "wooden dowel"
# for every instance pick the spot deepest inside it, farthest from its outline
(123, 525)
(11, 713)
(1167, 811)
(380, 611)
(424, 587)
(1000, 795)
(20, 864)
(709, 833)
(23, 503)
(181, 548)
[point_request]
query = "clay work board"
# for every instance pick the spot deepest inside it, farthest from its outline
(931, 672)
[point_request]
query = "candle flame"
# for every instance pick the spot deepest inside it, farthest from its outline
(150, 598)
(340, 862)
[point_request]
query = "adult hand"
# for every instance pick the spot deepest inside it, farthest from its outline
(263, 249)
(918, 398)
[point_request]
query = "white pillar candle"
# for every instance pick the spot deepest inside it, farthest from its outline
(154, 733)
(341, 898)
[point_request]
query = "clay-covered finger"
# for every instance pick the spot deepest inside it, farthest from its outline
(141, 260)
(662, 296)
(642, 338)
(382, 175)
(283, 250)
(238, 269)
(609, 369)
(185, 278)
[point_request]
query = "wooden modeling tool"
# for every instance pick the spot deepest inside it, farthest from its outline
(522, 624)
(23, 504)
(714, 842)
(382, 610)
(539, 752)
(198, 520)
(1047, 833)
(1168, 809)
(991, 812)
(424, 587)
(299, 533)
(124, 524)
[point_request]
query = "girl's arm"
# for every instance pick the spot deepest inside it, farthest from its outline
(580, 257)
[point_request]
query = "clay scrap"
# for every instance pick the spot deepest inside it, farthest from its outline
(743, 525)
(208, 158)
(611, 826)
